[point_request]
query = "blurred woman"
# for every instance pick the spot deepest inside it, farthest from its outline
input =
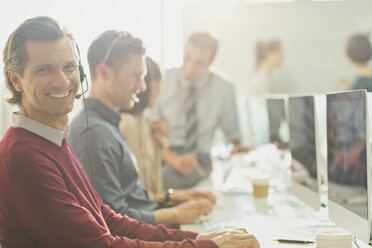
(147, 139)
(359, 52)
(269, 56)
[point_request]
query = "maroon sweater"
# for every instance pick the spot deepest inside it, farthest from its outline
(46, 200)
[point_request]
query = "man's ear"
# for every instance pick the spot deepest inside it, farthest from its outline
(102, 71)
(15, 78)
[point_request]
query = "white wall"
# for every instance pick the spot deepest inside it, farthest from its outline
(313, 35)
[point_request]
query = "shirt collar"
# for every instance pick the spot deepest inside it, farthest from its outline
(47, 132)
(107, 113)
(198, 85)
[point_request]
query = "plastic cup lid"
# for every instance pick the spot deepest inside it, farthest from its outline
(262, 179)
(338, 234)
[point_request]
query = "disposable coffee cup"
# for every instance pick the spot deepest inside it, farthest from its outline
(337, 238)
(260, 184)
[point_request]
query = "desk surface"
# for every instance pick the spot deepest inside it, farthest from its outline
(281, 215)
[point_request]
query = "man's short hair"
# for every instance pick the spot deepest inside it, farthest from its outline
(113, 48)
(15, 55)
(205, 41)
(359, 49)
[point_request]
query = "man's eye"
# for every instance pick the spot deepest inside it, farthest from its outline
(70, 67)
(42, 69)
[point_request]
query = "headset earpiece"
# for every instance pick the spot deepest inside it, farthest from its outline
(82, 75)
(81, 72)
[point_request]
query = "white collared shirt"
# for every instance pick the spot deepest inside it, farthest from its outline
(215, 107)
(53, 135)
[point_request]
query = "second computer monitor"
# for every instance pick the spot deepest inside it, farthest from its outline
(278, 126)
(348, 172)
(307, 128)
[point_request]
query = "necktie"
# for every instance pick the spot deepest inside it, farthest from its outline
(191, 120)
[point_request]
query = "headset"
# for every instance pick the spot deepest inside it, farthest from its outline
(82, 75)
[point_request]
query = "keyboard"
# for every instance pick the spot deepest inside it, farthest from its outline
(218, 220)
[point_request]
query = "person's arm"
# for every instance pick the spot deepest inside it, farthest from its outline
(183, 163)
(49, 212)
(177, 197)
(183, 196)
(51, 215)
(223, 239)
(107, 173)
(184, 213)
(229, 121)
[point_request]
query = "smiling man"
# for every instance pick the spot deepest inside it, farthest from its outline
(46, 199)
(117, 68)
(47, 86)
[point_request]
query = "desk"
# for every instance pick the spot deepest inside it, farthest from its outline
(281, 215)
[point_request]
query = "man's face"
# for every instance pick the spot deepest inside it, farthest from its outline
(50, 80)
(276, 57)
(127, 81)
(196, 63)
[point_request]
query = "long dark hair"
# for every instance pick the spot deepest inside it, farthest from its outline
(153, 74)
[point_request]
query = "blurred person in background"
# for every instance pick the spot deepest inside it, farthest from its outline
(359, 52)
(269, 56)
(196, 102)
(147, 139)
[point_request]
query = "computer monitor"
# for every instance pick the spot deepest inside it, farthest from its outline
(347, 161)
(306, 119)
(258, 121)
(278, 125)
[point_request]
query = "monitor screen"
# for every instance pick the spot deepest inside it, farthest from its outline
(278, 125)
(259, 122)
(347, 158)
(302, 143)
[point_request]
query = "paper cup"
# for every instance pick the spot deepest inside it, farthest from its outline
(260, 184)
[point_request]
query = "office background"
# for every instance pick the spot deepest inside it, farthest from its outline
(313, 34)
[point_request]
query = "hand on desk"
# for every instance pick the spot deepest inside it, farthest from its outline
(240, 149)
(189, 211)
(234, 238)
(179, 197)
(184, 213)
(185, 163)
(237, 148)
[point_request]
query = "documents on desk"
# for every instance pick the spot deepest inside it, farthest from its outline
(280, 216)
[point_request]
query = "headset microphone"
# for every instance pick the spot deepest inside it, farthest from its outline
(82, 76)
(135, 98)
(86, 83)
